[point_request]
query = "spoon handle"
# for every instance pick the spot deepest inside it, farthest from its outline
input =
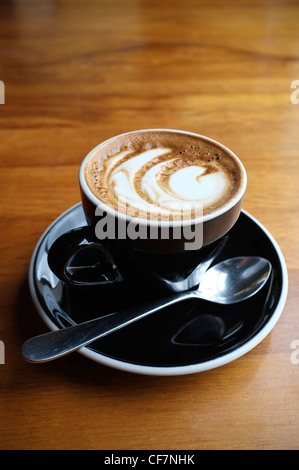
(54, 344)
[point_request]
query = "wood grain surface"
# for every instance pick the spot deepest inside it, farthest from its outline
(78, 72)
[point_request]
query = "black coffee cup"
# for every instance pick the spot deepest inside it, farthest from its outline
(156, 254)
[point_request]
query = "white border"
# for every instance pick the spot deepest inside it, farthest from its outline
(85, 188)
(179, 370)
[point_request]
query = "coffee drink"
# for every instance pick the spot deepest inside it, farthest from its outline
(163, 175)
(159, 202)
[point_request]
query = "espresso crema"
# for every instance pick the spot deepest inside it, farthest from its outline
(163, 175)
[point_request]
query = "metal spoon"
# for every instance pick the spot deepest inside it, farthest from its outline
(228, 282)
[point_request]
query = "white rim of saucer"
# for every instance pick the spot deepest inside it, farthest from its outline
(171, 370)
(88, 193)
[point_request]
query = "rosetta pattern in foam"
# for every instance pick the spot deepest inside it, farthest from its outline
(159, 183)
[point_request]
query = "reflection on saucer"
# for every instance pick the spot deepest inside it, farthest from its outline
(189, 337)
(205, 329)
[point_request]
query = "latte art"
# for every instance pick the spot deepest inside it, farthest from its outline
(162, 175)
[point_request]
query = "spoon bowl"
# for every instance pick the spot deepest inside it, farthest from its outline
(234, 280)
(230, 281)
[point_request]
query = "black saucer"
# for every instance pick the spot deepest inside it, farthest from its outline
(191, 337)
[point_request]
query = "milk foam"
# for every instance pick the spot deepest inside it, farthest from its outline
(161, 180)
(188, 188)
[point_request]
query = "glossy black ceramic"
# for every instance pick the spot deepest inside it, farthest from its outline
(193, 336)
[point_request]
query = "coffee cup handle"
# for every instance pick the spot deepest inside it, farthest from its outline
(78, 258)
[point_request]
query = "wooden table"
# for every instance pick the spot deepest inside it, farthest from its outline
(76, 73)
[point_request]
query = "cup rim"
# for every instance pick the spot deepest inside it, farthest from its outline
(162, 223)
